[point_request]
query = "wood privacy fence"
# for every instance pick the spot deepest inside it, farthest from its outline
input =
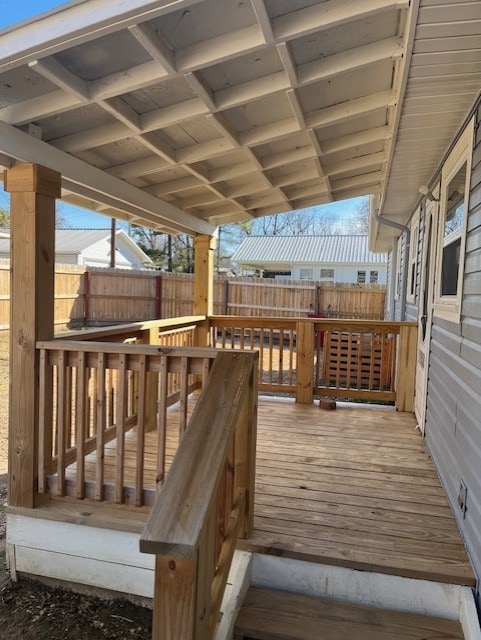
(99, 297)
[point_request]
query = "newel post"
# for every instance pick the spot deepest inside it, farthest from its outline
(204, 251)
(406, 367)
(305, 362)
(33, 190)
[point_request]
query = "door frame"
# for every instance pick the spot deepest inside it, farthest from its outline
(425, 309)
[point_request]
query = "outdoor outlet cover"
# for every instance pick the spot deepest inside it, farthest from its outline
(462, 495)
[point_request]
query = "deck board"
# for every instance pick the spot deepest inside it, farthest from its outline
(354, 487)
(279, 615)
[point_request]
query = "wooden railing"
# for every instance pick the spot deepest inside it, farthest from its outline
(205, 504)
(358, 359)
(100, 401)
(104, 399)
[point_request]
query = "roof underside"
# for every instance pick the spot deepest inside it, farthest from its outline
(186, 114)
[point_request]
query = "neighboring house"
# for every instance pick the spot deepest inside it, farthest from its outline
(91, 247)
(435, 280)
(336, 258)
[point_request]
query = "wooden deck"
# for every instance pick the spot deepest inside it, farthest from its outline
(353, 487)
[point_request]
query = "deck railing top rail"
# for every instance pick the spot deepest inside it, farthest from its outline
(120, 330)
(176, 521)
(333, 324)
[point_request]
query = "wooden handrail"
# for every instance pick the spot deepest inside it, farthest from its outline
(216, 457)
(131, 328)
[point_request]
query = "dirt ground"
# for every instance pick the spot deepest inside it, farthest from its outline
(33, 611)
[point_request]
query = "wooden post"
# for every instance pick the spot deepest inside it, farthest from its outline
(305, 362)
(174, 599)
(406, 367)
(33, 191)
(204, 247)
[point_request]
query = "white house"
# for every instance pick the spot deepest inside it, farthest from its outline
(91, 247)
(336, 258)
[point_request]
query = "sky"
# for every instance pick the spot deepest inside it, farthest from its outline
(14, 11)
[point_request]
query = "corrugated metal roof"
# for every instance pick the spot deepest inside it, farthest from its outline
(72, 241)
(335, 249)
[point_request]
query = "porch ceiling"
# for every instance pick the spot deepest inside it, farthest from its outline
(186, 114)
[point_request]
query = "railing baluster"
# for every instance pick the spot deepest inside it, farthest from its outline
(162, 422)
(45, 436)
(101, 413)
(63, 419)
(184, 393)
(141, 427)
(80, 412)
(120, 429)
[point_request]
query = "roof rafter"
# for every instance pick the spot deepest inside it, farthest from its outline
(27, 149)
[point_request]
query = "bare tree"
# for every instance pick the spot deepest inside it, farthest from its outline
(358, 222)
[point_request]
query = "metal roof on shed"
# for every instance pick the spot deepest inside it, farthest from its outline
(327, 249)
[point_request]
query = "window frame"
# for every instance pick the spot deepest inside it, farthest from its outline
(361, 281)
(371, 275)
(324, 277)
(448, 307)
(304, 270)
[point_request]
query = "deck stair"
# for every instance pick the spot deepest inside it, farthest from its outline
(269, 614)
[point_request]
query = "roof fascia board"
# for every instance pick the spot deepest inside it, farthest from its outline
(411, 24)
(24, 148)
(127, 241)
(75, 24)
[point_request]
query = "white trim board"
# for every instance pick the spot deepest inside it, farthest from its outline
(454, 602)
(88, 555)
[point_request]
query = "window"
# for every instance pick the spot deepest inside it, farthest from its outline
(361, 277)
(306, 274)
(455, 177)
(374, 277)
(413, 258)
(327, 274)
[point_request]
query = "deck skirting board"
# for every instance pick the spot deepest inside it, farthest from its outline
(81, 554)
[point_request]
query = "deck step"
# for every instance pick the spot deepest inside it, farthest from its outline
(269, 614)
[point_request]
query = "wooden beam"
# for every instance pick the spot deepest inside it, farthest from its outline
(349, 109)
(154, 44)
(264, 20)
(33, 190)
(202, 89)
(330, 14)
(349, 60)
(78, 24)
(21, 146)
(64, 79)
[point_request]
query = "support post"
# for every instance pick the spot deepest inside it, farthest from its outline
(204, 251)
(305, 362)
(406, 367)
(33, 190)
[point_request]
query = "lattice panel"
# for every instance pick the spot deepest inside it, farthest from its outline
(359, 360)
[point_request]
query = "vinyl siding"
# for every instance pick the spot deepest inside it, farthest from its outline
(453, 426)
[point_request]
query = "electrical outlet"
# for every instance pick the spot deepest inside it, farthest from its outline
(462, 496)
